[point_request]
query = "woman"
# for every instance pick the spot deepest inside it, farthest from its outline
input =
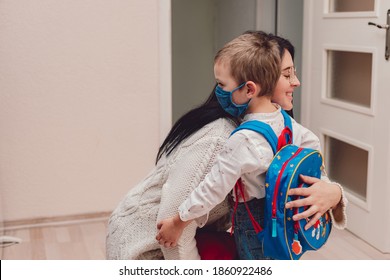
(183, 160)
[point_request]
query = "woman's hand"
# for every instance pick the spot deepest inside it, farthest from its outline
(319, 198)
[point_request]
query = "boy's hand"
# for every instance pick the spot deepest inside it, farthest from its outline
(170, 231)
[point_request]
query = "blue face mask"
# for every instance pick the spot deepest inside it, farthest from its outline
(226, 102)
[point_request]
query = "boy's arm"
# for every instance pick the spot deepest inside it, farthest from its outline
(240, 155)
(170, 231)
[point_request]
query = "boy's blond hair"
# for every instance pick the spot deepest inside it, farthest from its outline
(253, 57)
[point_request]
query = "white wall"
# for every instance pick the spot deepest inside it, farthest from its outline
(199, 29)
(192, 54)
(232, 19)
(79, 103)
(290, 25)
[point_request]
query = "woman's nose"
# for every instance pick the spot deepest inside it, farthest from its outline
(296, 82)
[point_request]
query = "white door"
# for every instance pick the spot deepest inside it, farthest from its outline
(346, 102)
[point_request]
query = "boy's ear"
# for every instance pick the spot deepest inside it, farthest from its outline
(253, 89)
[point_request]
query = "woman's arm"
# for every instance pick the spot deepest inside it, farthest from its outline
(322, 195)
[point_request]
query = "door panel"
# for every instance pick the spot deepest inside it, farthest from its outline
(347, 80)
(339, 156)
(351, 5)
(345, 100)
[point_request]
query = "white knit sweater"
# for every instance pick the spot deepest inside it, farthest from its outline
(132, 225)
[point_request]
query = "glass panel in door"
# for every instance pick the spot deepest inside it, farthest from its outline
(351, 5)
(347, 165)
(349, 77)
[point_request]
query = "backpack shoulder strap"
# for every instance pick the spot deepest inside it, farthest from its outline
(287, 119)
(286, 136)
(266, 130)
(262, 128)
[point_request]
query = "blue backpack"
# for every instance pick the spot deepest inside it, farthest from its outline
(283, 238)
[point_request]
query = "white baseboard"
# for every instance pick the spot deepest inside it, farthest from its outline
(55, 221)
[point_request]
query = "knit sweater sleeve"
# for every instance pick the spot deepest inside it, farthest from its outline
(338, 213)
(190, 164)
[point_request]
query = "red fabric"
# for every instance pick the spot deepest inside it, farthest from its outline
(215, 245)
(284, 138)
(239, 187)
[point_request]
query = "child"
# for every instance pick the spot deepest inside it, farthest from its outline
(247, 69)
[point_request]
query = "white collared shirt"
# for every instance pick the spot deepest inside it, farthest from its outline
(246, 154)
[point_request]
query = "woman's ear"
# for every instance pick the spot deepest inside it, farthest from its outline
(252, 88)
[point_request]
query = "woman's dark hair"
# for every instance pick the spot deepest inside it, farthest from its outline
(191, 122)
(210, 110)
(283, 43)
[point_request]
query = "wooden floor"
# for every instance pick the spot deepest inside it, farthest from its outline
(86, 241)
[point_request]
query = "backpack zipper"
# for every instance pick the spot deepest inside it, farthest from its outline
(276, 191)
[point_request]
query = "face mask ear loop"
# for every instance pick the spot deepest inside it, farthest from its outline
(231, 95)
